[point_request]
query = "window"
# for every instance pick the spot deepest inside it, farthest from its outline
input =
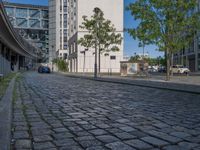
(65, 32)
(21, 12)
(45, 24)
(65, 9)
(12, 20)
(112, 57)
(45, 14)
(34, 13)
(10, 11)
(65, 24)
(20, 22)
(34, 23)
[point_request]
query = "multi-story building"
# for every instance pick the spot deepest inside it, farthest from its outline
(189, 57)
(58, 29)
(79, 61)
(31, 22)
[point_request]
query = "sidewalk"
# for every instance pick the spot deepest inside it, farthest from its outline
(5, 117)
(189, 84)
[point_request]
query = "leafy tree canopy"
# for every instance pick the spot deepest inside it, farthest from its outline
(101, 32)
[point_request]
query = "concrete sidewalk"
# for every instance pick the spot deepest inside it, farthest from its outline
(6, 116)
(177, 83)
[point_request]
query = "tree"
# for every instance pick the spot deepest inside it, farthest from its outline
(169, 24)
(101, 34)
(61, 64)
(134, 59)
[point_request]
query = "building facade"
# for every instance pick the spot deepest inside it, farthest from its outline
(32, 23)
(15, 52)
(189, 57)
(58, 29)
(79, 61)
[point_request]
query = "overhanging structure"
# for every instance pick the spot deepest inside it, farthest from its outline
(15, 52)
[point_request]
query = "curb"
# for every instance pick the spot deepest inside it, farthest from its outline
(169, 86)
(6, 116)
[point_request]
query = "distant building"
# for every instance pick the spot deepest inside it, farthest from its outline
(114, 11)
(58, 29)
(189, 57)
(31, 22)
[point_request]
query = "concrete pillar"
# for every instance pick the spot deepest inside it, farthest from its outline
(1, 59)
(6, 60)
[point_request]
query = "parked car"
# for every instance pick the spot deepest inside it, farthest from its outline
(162, 69)
(152, 69)
(43, 69)
(180, 69)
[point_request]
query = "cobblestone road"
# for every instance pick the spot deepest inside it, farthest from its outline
(57, 112)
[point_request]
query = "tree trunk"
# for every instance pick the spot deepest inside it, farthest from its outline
(167, 55)
(99, 60)
(172, 63)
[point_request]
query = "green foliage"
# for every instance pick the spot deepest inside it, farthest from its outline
(134, 59)
(4, 83)
(101, 33)
(169, 24)
(61, 64)
(150, 61)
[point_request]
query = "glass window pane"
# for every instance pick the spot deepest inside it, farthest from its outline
(34, 13)
(21, 12)
(12, 20)
(10, 11)
(34, 23)
(45, 14)
(45, 24)
(20, 22)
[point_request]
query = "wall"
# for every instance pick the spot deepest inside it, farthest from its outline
(113, 10)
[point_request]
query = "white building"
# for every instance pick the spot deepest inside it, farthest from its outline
(58, 29)
(113, 10)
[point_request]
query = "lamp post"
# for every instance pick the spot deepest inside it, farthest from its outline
(83, 52)
(141, 44)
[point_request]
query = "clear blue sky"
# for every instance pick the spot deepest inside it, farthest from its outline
(131, 46)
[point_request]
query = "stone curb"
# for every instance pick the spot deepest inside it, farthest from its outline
(6, 116)
(178, 87)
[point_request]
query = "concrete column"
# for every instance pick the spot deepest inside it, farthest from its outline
(6, 61)
(1, 59)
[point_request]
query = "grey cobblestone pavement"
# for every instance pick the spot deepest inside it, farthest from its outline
(57, 112)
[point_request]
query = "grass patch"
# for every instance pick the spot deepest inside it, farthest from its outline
(4, 84)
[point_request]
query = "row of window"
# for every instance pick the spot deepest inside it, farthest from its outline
(24, 13)
(32, 23)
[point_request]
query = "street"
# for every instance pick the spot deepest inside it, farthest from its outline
(51, 111)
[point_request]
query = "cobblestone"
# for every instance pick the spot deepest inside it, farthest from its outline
(56, 112)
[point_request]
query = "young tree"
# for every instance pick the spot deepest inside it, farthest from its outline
(169, 24)
(101, 34)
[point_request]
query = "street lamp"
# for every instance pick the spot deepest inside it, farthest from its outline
(83, 52)
(141, 44)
